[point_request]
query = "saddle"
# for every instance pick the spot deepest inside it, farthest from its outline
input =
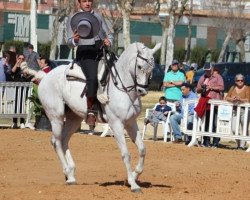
(74, 72)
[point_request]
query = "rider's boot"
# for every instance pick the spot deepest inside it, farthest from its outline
(91, 116)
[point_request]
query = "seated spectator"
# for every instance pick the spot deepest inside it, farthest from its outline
(239, 93)
(159, 114)
(175, 119)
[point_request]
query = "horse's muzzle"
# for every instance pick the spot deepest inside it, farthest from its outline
(142, 91)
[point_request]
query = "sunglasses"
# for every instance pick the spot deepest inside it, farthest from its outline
(239, 80)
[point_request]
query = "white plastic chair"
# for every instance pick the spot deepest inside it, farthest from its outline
(165, 125)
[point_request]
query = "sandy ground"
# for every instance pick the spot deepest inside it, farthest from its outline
(29, 169)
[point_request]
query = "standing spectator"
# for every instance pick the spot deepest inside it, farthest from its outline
(211, 86)
(237, 94)
(12, 53)
(7, 66)
(182, 68)
(45, 64)
(18, 76)
(2, 73)
(172, 82)
(175, 119)
(190, 75)
(32, 58)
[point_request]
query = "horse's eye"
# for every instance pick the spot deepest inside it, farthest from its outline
(140, 67)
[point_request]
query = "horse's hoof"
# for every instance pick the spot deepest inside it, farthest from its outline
(70, 182)
(137, 190)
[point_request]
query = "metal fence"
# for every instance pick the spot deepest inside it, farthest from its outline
(232, 121)
(14, 102)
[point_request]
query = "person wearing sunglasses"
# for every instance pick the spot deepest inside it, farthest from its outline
(18, 76)
(237, 94)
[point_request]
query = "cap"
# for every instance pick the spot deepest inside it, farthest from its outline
(207, 66)
(175, 62)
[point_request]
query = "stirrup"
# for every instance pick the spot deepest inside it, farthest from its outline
(91, 119)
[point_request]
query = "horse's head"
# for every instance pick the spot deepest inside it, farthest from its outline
(143, 67)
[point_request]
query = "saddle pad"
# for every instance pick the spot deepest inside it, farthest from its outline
(75, 71)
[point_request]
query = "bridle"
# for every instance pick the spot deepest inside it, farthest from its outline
(127, 89)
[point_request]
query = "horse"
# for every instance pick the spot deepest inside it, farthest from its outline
(66, 108)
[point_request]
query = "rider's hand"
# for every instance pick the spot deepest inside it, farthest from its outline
(107, 42)
(76, 37)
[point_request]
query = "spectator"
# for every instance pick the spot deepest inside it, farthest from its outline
(172, 82)
(159, 114)
(12, 53)
(7, 66)
(211, 86)
(182, 68)
(2, 73)
(175, 119)
(190, 75)
(18, 76)
(32, 58)
(45, 64)
(239, 93)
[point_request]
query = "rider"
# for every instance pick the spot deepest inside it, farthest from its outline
(87, 55)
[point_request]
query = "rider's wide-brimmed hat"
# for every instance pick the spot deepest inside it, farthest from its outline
(86, 24)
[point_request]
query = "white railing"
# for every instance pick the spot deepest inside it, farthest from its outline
(14, 102)
(225, 112)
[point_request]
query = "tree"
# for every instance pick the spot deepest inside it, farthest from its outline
(230, 18)
(65, 8)
(190, 19)
(111, 13)
(169, 30)
(126, 7)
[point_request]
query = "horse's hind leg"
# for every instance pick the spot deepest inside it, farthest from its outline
(72, 124)
(135, 136)
(56, 140)
(118, 130)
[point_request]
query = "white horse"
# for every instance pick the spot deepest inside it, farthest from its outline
(61, 100)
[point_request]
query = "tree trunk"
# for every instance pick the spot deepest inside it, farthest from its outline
(54, 39)
(224, 47)
(187, 56)
(170, 42)
(241, 47)
(126, 28)
(164, 44)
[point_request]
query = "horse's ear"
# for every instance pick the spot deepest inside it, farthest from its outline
(156, 48)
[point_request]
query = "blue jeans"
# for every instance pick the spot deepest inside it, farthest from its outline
(175, 121)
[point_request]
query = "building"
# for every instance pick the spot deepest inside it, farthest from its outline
(145, 25)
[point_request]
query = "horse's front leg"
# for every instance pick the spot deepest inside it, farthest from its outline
(118, 130)
(134, 134)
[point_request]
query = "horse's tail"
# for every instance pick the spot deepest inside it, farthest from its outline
(38, 75)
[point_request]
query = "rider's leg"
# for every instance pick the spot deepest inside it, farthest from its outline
(87, 56)
(91, 73)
